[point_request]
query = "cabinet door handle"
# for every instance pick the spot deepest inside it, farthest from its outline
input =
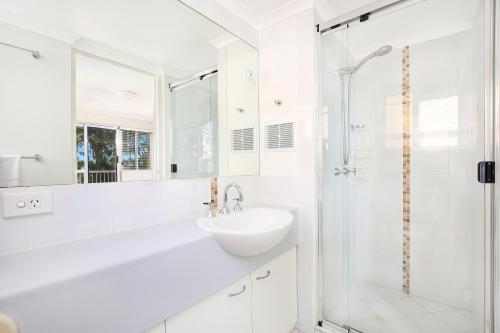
(238, 293)
(265, 276)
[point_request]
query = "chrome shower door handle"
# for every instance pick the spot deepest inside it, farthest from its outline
(239, 292)
(268, 273)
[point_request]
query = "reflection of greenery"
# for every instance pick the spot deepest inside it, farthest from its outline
(136, 141)
(101, 148)
(80, 148)
(143, 150)
(128, 150)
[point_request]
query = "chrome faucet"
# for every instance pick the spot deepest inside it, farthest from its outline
(225, 209)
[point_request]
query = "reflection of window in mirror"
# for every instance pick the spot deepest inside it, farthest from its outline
(114, 107)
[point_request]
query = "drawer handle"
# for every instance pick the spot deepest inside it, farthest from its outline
(238, 293)
(264, 277)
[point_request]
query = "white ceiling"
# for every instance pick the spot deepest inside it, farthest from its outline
(107, 89)
(340, 7)
(163, 32)
(262, 13)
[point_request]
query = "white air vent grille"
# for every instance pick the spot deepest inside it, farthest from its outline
(280, 136)
(243, 139)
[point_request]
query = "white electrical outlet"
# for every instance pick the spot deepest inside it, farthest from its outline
(26, 203)
(34, 204)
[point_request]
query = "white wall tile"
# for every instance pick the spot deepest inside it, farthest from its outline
(186, 198)
(83, 211)
(139, 204)
(249, 185)
(80, 211)
(306, 142)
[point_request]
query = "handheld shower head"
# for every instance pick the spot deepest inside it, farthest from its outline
(378, 53)
(383, 50)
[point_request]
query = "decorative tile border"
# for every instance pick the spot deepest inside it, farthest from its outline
(213, 192)
(406, 170)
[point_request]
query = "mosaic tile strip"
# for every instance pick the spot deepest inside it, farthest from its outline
(406, 169)
(213, 192)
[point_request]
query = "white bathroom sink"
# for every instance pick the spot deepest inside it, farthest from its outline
(250, 232)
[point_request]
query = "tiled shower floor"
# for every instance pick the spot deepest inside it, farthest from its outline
(375, 309)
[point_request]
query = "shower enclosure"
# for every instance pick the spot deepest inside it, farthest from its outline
(406, 116)
(194, 126)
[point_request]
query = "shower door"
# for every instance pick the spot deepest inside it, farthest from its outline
(403, 218)
(194, 129)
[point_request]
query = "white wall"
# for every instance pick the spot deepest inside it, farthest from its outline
(237, 91)
(35, 106)
(287, 72)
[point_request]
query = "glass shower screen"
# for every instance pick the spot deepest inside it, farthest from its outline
(194, 129)
(402, 218)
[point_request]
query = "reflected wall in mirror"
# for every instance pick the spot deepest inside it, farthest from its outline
(112, 91)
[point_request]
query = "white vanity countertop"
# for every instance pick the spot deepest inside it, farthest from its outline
(123, 282)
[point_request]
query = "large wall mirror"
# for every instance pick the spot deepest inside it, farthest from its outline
(100, 91)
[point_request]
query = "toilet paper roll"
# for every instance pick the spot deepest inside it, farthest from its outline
(7, 325)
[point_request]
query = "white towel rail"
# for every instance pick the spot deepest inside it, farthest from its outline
(34, 53)
(36, 157)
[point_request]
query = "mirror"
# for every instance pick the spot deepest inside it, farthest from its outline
(98, 91)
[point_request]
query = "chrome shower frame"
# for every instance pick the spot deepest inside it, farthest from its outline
(491, 153)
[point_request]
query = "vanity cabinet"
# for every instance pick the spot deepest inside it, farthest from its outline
(274, 295)
(265, 301)
(227, 311)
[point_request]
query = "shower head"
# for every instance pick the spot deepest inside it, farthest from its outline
(383, 50)
(378, 53)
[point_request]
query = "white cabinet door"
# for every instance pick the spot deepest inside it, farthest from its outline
(228, 311)
(160, 328)
(274, 295)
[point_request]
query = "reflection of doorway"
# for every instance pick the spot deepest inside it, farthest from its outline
(96, 153)
(114, 116)
(112, 154)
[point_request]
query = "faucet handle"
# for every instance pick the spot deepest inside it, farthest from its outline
(224, 210)
(210, 211)
(237, 206)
